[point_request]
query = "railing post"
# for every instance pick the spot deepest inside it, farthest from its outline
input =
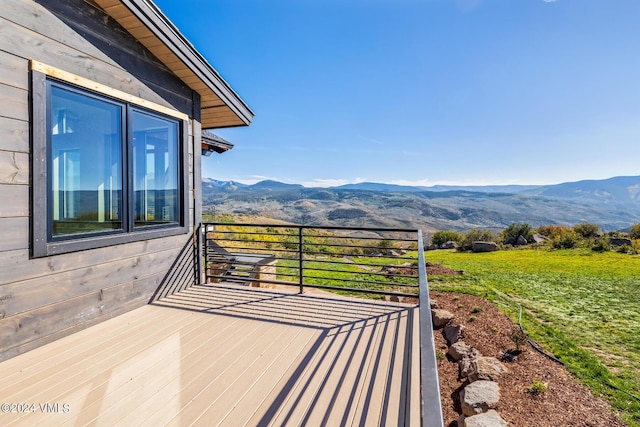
(300, 259)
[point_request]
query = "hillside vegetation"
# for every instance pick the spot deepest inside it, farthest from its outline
(583, 306)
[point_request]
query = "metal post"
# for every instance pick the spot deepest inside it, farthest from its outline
(300, 270)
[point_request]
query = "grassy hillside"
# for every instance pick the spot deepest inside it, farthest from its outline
(582, 306)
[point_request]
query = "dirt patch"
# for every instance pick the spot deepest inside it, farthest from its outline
(440, 270)
(566, 402)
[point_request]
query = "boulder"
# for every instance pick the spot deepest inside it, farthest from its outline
(538, 238)
(459, 350)
(449, 245)
(488, 419)
(453, 333)
(521, 241)
(484, 246)
(440, 317)
(486, 369)
(619, 241)
(479, 397)
(510, 241)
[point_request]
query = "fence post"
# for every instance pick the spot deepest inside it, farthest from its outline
(300, 269)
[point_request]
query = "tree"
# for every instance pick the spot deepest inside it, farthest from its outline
(635, 231)
(444, 236)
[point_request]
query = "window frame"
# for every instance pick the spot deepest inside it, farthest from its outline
(43, 243)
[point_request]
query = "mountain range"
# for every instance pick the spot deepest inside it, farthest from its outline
(613, 204)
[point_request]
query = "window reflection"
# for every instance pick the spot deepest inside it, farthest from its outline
(85, 164)
(155, 170)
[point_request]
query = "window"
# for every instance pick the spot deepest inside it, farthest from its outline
(113, 171)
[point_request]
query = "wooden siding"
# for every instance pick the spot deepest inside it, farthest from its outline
(228, 355)
(47, 298)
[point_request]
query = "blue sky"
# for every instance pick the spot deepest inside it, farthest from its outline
(424, 92)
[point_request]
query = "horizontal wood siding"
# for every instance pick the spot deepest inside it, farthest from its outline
(44, 299)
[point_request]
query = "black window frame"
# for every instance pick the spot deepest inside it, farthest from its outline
(43, 242)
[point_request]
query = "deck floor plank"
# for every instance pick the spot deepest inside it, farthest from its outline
(227, 355)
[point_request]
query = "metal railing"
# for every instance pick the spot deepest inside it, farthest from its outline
(349, 260)
(383, 261)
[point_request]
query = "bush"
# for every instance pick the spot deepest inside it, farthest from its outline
(476, 235)
(634, 231)
(587, 230)
(518, 337)
(537, 387)
(567, 239)
(601, 245)
(515, 230)
(444, 236)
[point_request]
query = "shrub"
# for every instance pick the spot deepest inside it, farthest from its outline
(515, 230)
(586, 230)
(601, 245)
(565, 239)
(518, 337)
(537, 387)
(634, 231)
(477, 309)
(476, 235)
(444, 236)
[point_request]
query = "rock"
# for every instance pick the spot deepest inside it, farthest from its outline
(479, 397)
(453, 333)
(521, 241)
(433, 303)
(484, 246)
(538, 238)
(449, 245)
(464, 367)
(488, 419)
(440, 317)
(486, 368)
(461, 420)
(619, 241)
(459, 350)
(510, 241)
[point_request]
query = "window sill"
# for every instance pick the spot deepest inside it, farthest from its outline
(44, 249)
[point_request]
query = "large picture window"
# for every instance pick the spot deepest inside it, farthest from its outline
(114, 171)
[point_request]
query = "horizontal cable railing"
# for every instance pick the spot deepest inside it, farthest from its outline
(350, 260)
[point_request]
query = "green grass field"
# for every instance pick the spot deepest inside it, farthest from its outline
(582, 306)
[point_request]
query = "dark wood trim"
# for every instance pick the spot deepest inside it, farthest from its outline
(162, 28)
(38, 134)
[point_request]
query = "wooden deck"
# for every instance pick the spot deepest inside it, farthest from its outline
(226, 355)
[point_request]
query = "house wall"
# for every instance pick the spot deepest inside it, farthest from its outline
(43, 299)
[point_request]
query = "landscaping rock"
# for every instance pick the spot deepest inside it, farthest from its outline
(487, 369)
(440, 318)
(453, 333)
(479, 397)
(510, 241)
(433, 303)
(538, 238)
(459, 350)
(449, 245)
(521, 241)
(488, 419)
(619, 241)
(484, 246)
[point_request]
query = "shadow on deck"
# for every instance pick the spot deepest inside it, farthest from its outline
(229, 355)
